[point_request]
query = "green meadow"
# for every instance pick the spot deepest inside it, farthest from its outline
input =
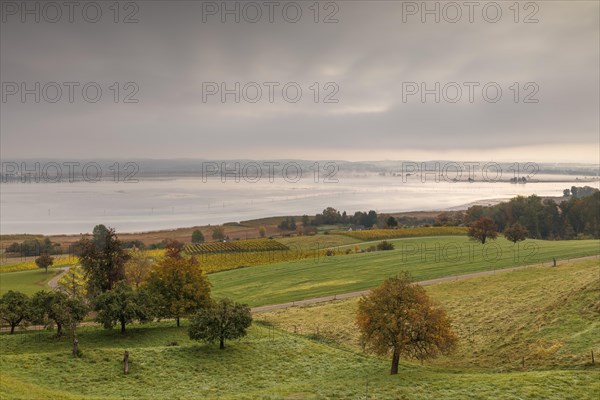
(424, 258)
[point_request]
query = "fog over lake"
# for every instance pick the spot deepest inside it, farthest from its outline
(152, 204)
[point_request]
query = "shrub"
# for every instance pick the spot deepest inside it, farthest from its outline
(385, 245)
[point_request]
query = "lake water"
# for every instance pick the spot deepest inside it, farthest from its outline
(61, 208)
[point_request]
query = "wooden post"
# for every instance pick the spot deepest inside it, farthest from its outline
(554, 262)
(126, 363)
(75, 347)
(523, 362)
(593, 362)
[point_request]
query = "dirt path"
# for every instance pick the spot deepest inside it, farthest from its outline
(53, 283)
(423, 283)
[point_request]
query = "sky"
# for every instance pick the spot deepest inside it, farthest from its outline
(361, 80)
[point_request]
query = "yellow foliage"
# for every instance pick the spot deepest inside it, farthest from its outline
(59, 261)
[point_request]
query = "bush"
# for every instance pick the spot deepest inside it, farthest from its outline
(385, 245)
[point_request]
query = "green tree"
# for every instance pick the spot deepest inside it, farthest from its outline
(178, 286)
(58, 308)
(305, 220)
(288, 224)
(197, 236)
(103, 266)
(262, 231)
(15, 307)
(391, 222)
(482, 229)
(399, 318)
(44, 261)
(121, 305)
(99, 235)
(224, 320)
(515, 232)
(218, 233)
(574, 190)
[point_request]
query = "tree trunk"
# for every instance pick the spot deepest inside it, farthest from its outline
(222, 344)
(395, 362)
(58, 329)
(122, 326)
(12, 328)
(178, 322)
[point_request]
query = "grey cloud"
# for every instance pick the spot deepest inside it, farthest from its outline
(369, 53)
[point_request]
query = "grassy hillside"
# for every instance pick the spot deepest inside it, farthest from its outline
(425, 258)
(27, 282)
(550, 316)
(275, 364)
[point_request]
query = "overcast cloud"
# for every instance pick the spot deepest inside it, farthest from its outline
(368, 54)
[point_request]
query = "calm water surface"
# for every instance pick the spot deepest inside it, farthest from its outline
(170, 203)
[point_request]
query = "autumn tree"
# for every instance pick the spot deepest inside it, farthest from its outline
(178, 286)
(137, 267)
(14, 308)
(515, 232)
(103, 261)
(197, 236)
(58, 308)
(224, 320)
(399, 318)
(122, 305)
(262, 231)
(73, 282)
(44, 261)
(482, 229)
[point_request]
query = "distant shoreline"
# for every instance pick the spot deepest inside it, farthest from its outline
(243, 229)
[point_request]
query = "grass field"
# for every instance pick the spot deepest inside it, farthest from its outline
(276, 364)
(424, 258)
(550, 316)
(27, 282)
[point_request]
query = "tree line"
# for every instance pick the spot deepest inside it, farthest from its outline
(577, 217)
(122, 286)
